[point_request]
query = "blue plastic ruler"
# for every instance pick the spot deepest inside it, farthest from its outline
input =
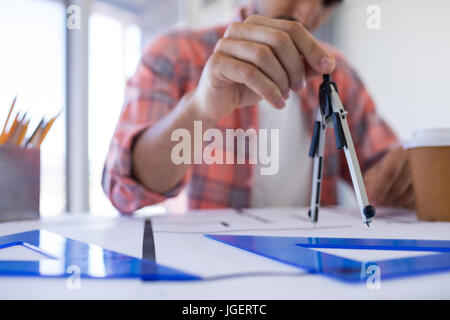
(299, 252)
(62, 255)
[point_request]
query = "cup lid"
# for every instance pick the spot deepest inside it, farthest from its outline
(429, 138)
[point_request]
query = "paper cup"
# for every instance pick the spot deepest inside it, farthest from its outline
(429, 157)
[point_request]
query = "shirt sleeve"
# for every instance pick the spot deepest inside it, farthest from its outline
(372, 136)
(151, 93)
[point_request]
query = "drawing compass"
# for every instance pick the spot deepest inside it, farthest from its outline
(332, 114)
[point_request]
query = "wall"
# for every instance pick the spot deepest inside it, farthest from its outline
(405, 64)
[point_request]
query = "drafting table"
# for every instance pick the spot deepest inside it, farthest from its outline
(232, 273)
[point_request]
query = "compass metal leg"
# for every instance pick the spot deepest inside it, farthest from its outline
(317, 152)
(366, 210)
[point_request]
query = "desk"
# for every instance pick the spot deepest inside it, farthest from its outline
(232, 273)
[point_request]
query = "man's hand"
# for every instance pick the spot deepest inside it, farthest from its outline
(389, 182)
(260, 58)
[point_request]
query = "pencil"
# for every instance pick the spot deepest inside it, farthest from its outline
(45, 131)
(9, 114)
(16, 134)
(35, 136)
(22, 133)
(47, 128)
(3, 134)
(12, 130)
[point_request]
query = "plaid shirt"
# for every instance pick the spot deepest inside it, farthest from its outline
(171, 67)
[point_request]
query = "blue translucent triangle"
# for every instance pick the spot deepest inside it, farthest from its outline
(63, 256)
(299, 252)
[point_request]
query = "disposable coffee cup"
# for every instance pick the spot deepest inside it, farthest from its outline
(429, 157)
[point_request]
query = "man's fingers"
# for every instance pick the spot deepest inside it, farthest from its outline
(378, 184)
(401, 184)
(407, 200)
(383, 176)
(389, 172)
(234, 70)
(315, 54)
(281, 44)
(259, 55)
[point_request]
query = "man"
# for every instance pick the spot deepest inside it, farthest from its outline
(262, 71)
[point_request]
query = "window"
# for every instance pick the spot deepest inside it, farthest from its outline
(32, 65)
(114, 51)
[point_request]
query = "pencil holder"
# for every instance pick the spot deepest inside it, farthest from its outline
(19, 183)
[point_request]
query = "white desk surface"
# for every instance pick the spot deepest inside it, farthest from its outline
(180, 243)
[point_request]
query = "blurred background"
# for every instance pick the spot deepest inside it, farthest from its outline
(405, 65)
